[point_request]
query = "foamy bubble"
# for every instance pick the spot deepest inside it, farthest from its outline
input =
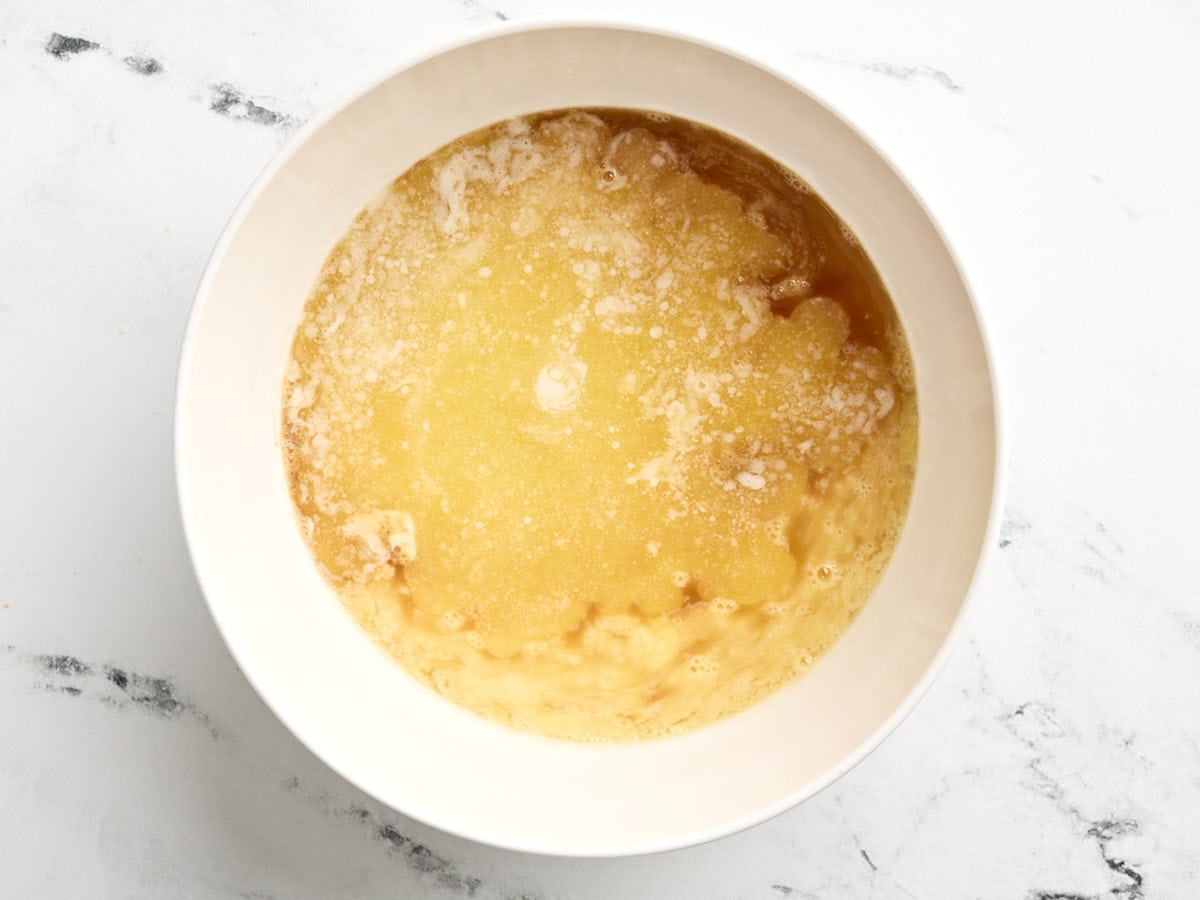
(795, 182)
(559, 385)
(723, 606)
(826, 574)
(751, 481)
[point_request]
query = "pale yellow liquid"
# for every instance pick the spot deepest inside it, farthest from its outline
(600, 425)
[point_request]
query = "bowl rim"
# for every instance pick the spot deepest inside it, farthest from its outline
(431, 817)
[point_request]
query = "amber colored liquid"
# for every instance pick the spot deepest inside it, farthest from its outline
(838, 266)
(601, 423)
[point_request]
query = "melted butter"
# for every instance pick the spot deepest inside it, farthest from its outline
(600, 424)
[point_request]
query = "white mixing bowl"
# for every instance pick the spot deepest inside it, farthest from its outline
(322, 675)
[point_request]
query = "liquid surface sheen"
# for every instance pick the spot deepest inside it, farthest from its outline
(601, 424)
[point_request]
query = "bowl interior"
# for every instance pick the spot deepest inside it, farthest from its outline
(361, 713)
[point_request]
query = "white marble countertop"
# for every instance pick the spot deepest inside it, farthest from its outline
(1058, 756)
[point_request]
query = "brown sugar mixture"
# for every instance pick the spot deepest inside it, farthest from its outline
(601, 424)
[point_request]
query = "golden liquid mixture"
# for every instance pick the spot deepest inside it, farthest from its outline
(601, 424)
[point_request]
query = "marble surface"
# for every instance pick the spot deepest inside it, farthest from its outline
(1058, 756)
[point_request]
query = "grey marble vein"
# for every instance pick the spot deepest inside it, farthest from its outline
(475, 9)
(143, 65)
(228, 101)
(1125, 208)
(223, 98)
(1105, 831)
(1012, 526)
(61, 46)
(896, 71)
(114, 686)
(1039, 727)
(389, 833)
